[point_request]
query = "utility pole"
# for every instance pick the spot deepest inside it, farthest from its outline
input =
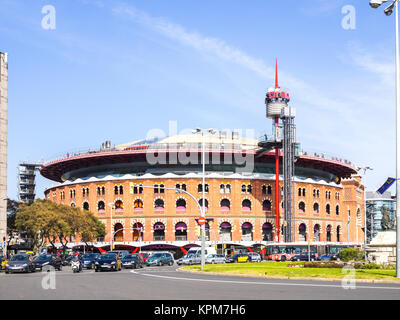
(3, 149)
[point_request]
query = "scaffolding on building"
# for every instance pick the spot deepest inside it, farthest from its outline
(26, 181)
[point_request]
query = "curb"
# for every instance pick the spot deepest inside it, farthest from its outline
(290, 278)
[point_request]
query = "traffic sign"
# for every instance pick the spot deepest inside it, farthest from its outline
(201, 221)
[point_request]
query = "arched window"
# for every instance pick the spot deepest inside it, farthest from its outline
(222, 188)
(86, 206)
(302, 207)
(317, 235)
(225, 205)
(267, 232)
(267, 205)
(116, 190)
(264, 190)
(184, 187)
(269, 190)
(98, 191)
(162, 190)
(302, 232)
(121, 190)
(159, 232)
(328, 233)
(246, 205)
(247, 231)
(228, 188)
(119, 206)
(118, 232)
(103, 191)
(137, 233)
(299, 192)
(138, 205)
(180, 204)
(159, 204)
(337, 210)
(304, 192)
(225, 231)
(177, 187)
(155, 188)
(200, 188)
(205, 203)
(328, 208)
(243, 188)
(338, 233)
(101, 207)
(316, 207)
(180, 231)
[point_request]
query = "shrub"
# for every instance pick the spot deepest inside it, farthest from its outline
(323, 265)
(351, 254)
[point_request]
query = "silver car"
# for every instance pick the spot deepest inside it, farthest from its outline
(215, 258)
(191, 259)
(254, 257)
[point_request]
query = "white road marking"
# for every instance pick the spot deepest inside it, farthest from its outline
(263, 283)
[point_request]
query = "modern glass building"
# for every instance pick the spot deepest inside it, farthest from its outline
(375, 201)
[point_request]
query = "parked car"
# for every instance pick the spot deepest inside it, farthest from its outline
(132, 261)
(238, 257)
(160, 258)
(145, 255)
(47, 260)
(108, 261)
(215, 258)
(304, 257)
(190, 259)
(89, 259)
(120, 253)
(20, 263)
(254, 257)
(328, 257)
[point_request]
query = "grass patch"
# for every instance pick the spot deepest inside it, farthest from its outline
(292, 270)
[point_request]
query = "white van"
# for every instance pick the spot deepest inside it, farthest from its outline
(197, 251)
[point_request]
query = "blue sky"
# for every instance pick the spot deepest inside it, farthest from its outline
(113, 70)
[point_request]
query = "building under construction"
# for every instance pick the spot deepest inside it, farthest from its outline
(26, 181)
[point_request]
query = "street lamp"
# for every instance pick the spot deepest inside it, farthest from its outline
(388, 11)
(364, 169)
(111, 205)
(203, 212)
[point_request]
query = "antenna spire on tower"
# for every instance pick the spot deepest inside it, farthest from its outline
(276, 74)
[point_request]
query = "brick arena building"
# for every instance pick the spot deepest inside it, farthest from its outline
(125, 187)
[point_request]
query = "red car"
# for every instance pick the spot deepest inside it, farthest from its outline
(145, 255)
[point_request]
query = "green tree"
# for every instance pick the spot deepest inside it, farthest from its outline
(45, 220)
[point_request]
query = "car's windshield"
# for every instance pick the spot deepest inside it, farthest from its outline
(89, 255)
(44, 257)
(131, 256)
(107, 256)
(157, 255)
(19, 257)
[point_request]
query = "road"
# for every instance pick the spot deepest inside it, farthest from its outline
(167, 283)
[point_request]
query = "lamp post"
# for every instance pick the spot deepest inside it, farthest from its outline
(111, 205)
(388, 11)
(364, 169)
(203, 212)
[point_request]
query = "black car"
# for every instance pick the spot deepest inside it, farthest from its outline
(108, 261)
(47, 260)
(20, 263)
(89, 260)
(132, 261)
(304, 257)
(238, 257)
